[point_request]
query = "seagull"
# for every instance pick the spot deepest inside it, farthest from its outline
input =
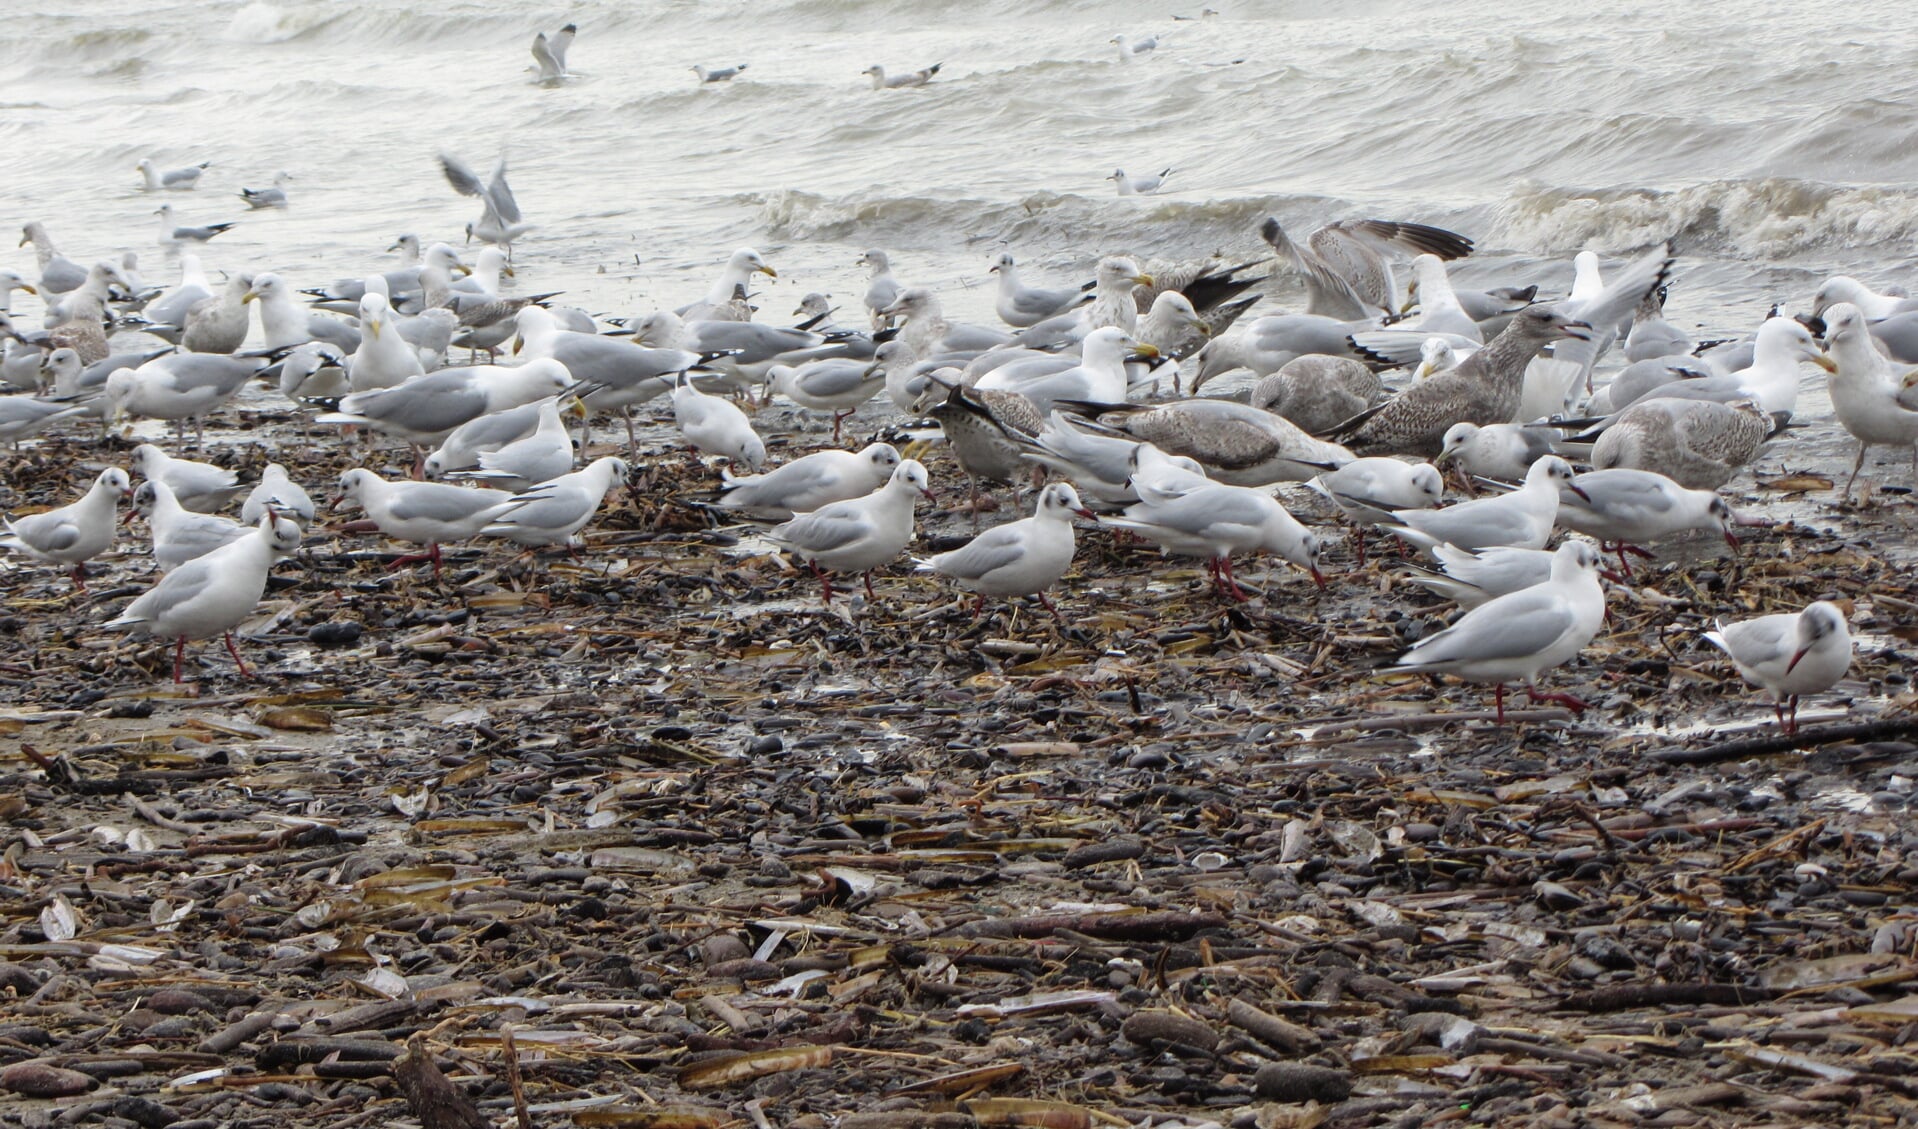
(425, 513)
(1130, 49)
(1344, 265)
(178, 180)
(1471, 577)
(180, 534)
(557, 509)
(1523, 517)
(1020, 305)
(1504, 451)
(1382, 484)
(1020, 558)
(808, 483)
(201, 487)
(217, 324)
(211, 595)
(718, 74)
(1143, 184)
(1625, 509)
(58, 274)
(75, 533)
(1100, 463)
(1219, 520)
(1524, 634)
(715, 426)
(1865, 390)
(837, 384)
(1318, 392)
(1099, 377)
(549, 54)
(1602, 306)
(1788, 655)
(860, 534)
(23, 417)
(883, 290)
(883, 81)
(1697, 443)
(277, 491)
(425, 409)
(9, 282)
(181, 387)
(273, 196)
(740, 267)
(285, 323)
(532, 459)
(620, 374)
(1237, 444)
(173, 232)
(500, 219)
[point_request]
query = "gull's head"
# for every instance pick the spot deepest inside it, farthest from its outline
(1818, 622)
(408, 243)
(875, 71)
(1544, 323)
(164, 211)
(912, 302)
(61, 364)
(119, 389)
(911, 475)
(892, 353)
(1720, 511)
(1457, 438)
(1176, 306)
(1574, 558)
(282, 535)
(748, 261)
(1003, 262)
(883, 458)
(1060, 500)
(1117, 174)
(1845, 325)
(816, 304)
(1121, 273)
(1795, 341)
(1311, 549)
(1436, 355)
(147, 497)
(116, 480)
(1430, 484)
(265, 288)
(1557, 473)
(1838, 288)
(354, 485)
(876, 259)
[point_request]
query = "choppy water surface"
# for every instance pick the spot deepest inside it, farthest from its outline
(1774, 141)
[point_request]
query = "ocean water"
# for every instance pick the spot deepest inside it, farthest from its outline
(1774, 142)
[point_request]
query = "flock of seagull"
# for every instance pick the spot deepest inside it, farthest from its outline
(1095, 385)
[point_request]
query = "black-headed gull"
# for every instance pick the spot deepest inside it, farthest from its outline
(201, 487)
(1519, 636)
(1020, 558)
(75, 533)
(807, 483)
(1218, 521)
(714, 426)
(1522, 517)
(179, 534)
(211, 595)
(860, 534)
(425, 513)
(556, 510)
(1788, 655)
(1628, 509)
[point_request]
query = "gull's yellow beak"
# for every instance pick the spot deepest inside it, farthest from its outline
(517, 342)
(1203, 326)
(507, 271)
(1143, 349)
(373, 327)
(33, 290)
(251, 296)
(1824, 361)
(767, 271)
(573, 406)
(1142, 279)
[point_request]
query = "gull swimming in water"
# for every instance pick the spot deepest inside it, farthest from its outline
(1142, 184)
(1520, 636)
(272, 196)
(1788, 655)
(1130, 48)
(172, 231)
(178, 180)
(883, 81)
(718, 74)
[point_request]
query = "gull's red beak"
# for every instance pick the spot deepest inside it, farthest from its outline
(1318, 578)
(1087, 514)
(1801, 653)
(1579, 490)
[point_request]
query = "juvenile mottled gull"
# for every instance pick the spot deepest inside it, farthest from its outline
(1236, 443)
(1484, 388)
(1788, 655)
(1696, 443)
(218, 323)
(1318, 392)
(1520, 636)
(983, 427)
(1020, 558)
(1346, 272)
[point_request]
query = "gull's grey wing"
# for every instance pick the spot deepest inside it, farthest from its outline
(436, 502)
(52, 531)
(824, 529)
(992, 550)
(500, 196)
(177, 587)
(1515, 626)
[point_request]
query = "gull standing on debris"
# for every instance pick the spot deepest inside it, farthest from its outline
(1864, 391)
(1143, 184)
(1472, 576)
(182, 387)
(1318, 392)
(75, 533)
(716, 427)
(1788, 655)
(425, 513)
(1504, 451)
(839, 385)
(525, 462)
(178, 180)
(180, 534)
(1523, 517)
(1628, 509)
(883, 81)
(1696, 443)
(1020, 558)
(557, 509)
(1520, 636)
(1236, 443)
(424, 410)
(808, 483)
(201, 487)
(277, 490)
(211, 595)
(1363, 488)
(860, 534)
(1218, 521)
